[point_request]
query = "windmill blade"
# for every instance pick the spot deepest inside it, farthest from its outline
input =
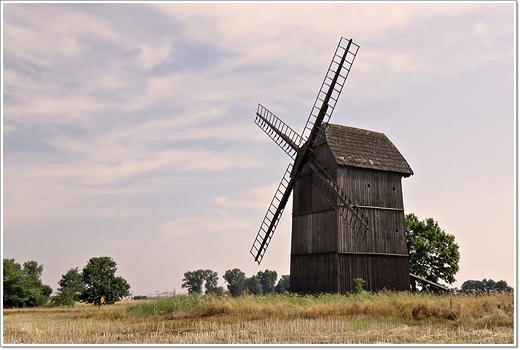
(281, 133)
(338, 199)
(331, 87)
(273, 215)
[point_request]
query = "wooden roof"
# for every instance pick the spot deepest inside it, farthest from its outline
(363, 149)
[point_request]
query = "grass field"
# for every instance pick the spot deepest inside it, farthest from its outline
(383, 318)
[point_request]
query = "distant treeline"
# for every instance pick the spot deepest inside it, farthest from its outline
(264, 282)
(484, 287)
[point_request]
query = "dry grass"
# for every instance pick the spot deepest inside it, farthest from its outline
(385, 318)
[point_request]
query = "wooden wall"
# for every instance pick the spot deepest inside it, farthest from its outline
(335, 272)
(326, 255)
(315, 233)
(318, 228)
(370, 187)
(379, 272)
(315, 273)
(381, 195)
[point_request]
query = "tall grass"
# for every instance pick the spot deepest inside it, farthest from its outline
(165, 306)
(484, 311)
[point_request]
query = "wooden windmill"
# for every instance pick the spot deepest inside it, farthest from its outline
(348, 216)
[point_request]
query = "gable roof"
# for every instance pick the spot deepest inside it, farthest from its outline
(363, 149)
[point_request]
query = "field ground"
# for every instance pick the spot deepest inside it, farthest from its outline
(383, 318)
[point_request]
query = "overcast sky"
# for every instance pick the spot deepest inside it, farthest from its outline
(128, 128)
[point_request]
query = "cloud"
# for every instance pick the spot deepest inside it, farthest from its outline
(105, 169)
(151, 56)
(200, 227)
(258, 197)
(34, 193)
(50, 33)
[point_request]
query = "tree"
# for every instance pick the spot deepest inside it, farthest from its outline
(72, 280)
(10, 266)
(71, 286)
(194, 280)
(283, 284)
(236, 280)
(267, 280)
(101, 284)
(484, 286)
(33, 269)
(64, 297)
(501, 286)
(22, 286)
(253, 285)
(434, 255)
(211, 279)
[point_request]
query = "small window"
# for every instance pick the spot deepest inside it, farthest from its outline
(368, 185)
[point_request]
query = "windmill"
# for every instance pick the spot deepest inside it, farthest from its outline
(336, 235)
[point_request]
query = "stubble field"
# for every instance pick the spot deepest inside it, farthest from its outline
(382, 318)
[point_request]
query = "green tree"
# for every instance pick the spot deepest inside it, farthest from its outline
(267, 280)
(194, 281)
(283, 284)
(71, 286)
(10, 266)
(33, 269)
(253, 285)
(101, 284)
(236, 280)
(211, 279)
(64, 298)
(434, 255)
(22, 286)
(501, 286)
(484, 286)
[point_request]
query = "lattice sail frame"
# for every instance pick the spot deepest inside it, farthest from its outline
(351, 51)
(271, 218)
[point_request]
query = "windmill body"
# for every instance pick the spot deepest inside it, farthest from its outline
(348, 219)
(326, 253)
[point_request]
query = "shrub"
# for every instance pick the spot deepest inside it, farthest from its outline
(359, 283)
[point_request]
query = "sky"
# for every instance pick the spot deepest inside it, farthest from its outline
(128, 128)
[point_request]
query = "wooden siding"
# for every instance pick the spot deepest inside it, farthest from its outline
(314, 273)
(318, 228)
(315, 233)
(386, 234)
(335, 273)
(371, 188)
(307, 198)
(379, 272)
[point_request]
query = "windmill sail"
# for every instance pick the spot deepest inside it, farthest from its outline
(281, 133)
(271, 218)
(332, 84)
(338, 199)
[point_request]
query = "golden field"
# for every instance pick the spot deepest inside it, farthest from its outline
(381, 318)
